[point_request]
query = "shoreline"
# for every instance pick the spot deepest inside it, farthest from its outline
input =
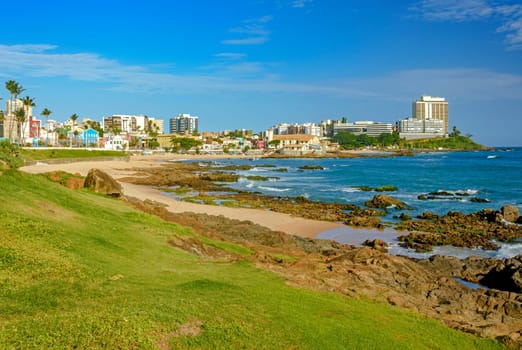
(118, 169)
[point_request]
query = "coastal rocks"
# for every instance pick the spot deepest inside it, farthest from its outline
(506, 275)
(311, 167)
(384, 201)
(510, 213)
(378, 244)
(363, 221)
(461, 230)
(101, 182)
(427, 287)
(503, 274)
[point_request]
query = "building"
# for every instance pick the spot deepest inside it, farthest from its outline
(183, 124)
(155, 125)
(431, 108)
(117, 143)
(90, 137)
(296, 144)
(363, 127)
(412, 128)
(11, 129)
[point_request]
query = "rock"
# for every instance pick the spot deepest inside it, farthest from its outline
(479, 200)
(101, 182)
(506, 275)
(363, 221)
(378, 244)
(404, 217)
(387, 188)
(384, 201)
(510, 213)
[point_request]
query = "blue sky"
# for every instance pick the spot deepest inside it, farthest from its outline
(253, 63)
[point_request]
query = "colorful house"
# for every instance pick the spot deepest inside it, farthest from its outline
(90, 137)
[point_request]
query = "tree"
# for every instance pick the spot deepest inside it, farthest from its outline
(28, 103)
(344, 120)
(14, 89)
(184, 143)
(46, 113)
(73, 118)
(20, 119)
(455, 132)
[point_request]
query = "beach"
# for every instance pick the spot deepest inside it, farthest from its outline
(119, 169)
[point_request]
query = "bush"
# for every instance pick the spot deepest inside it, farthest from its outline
(9, 155)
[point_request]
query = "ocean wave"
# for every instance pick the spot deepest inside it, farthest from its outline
(273, 189)
(509, 250)
(350, 189)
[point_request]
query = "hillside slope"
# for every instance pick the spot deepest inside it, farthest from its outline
(78, 270)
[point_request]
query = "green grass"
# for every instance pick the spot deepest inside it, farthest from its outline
(79, 270)
(45, 154)
(446, 143)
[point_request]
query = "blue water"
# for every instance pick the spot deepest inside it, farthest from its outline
(493, 175)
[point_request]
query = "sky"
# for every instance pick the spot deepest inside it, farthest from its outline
(250, 64)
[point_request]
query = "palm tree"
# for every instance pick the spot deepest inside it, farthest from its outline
(28, 103)
(14, 89)
(46, 113)
(20, 118)
(73, 118)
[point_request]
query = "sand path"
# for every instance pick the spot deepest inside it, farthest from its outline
(119, 169)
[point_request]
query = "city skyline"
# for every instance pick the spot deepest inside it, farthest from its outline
(253, 64)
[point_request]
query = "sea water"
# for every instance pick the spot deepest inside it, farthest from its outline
(494, 176)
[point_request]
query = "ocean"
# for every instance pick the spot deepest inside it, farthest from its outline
(465, 182)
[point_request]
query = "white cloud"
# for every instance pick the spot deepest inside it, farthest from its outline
(510, 16)
(253, 32)
(456, 84)
(230, 55)
(454, 10)
(301, 3)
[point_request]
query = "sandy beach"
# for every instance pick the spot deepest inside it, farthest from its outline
(119, 169)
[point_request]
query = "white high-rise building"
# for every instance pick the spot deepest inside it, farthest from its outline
(429, 108)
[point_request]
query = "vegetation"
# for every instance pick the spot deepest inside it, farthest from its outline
(348, 140)
(453, 142)
(9, 154)
(45, 154)
(78, 270)
(183, 144)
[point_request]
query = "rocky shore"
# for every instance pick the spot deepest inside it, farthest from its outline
(460, 230)
(204, 183)
(426, 286)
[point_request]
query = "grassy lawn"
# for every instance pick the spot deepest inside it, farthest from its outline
(45, 154)
(78, 270)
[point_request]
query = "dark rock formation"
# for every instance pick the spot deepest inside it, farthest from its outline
(378, 244)
(101, 182)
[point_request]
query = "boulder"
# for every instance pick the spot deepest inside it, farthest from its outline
(506, 275)
(510, 213)
(101, 182)
(384, 201)
(378, 244)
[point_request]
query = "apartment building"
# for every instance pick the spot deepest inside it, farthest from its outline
(431, 108)
(369, 128)
(183, 124)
